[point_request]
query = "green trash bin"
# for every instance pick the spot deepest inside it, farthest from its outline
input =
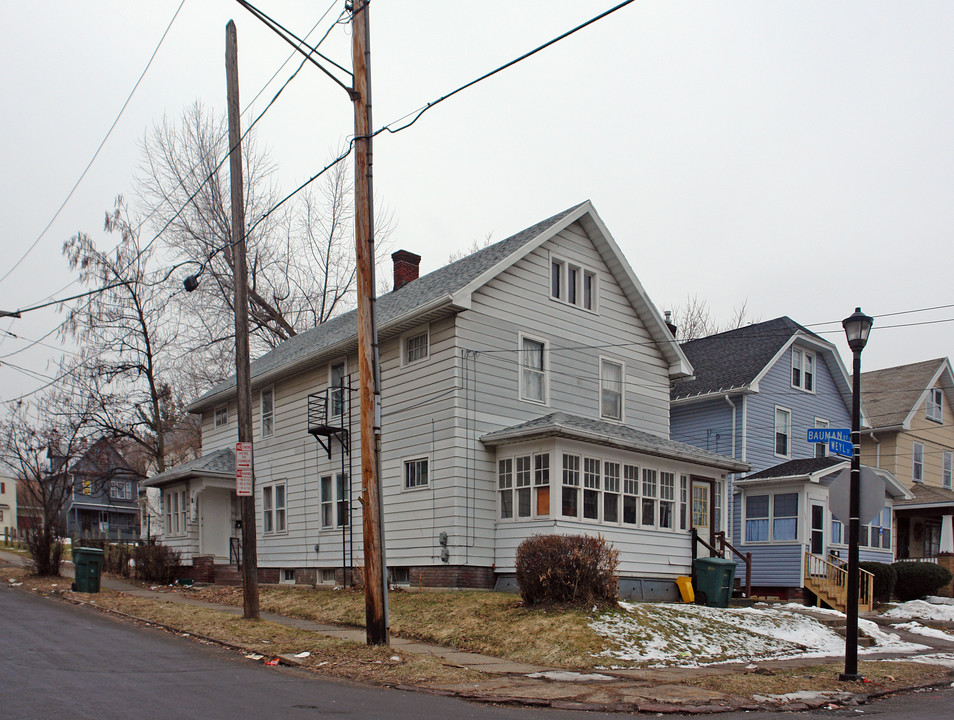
(88, 564)
(714, 579)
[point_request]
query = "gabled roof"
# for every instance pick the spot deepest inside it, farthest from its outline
(102, 458)
(892, 396)
(449, 289)
(599, 432)
(736, 360)
(218, 463)
(823, 471)
(926, 496)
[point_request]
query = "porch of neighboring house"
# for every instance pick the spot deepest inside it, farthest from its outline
(926, 528)
(103, 522)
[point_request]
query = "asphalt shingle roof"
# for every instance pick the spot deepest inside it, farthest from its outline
(796, 468)
(928, 495)
(612, 434)
(416, 294)
(733, 359)
(217, 462)
(888, 396)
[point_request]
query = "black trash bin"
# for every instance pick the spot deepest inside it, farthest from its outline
(88, 567)
(714, 579)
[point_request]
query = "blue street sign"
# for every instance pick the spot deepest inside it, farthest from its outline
(823, 435)
(840, 447)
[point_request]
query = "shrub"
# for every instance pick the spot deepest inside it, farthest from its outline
(885, 577)
(157, 563)
(917, 579)
(567, 569)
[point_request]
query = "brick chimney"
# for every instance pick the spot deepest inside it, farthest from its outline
(406, 267)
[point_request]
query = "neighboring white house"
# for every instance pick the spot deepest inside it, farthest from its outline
(525, 390)
(8, 507)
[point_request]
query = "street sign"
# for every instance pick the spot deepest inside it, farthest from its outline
(823, 435)
(870, 496)
(840, 447)
(243, 469)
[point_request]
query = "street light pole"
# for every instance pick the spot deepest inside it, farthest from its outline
(857, 327)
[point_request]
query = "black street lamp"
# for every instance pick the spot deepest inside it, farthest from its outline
(857, 327)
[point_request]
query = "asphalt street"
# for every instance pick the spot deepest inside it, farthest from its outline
(63, 661)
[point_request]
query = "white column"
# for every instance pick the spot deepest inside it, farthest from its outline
(947, 534)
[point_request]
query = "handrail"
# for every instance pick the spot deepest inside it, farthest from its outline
(746, 558)
(235, 552)
(832, 579)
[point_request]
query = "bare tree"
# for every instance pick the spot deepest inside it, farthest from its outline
(300, 257)
(128, 340)
(38, 453)
(474, 247)
(694, 320)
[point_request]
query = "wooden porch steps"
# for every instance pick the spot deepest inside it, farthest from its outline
(829, 582)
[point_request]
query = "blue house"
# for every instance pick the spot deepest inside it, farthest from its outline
(756, 392)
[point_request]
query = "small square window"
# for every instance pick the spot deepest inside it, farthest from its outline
(415, 473)
(416, 348)
(401, 576)
(288, 576)
(327, 576)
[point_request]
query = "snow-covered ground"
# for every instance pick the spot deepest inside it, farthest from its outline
(677, 635)
(931, 608)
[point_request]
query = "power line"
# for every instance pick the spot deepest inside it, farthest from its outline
(101, 144)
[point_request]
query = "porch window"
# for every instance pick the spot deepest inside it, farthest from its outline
(611, 492)
(630, 494)
(836, 532)
(591, 488)
(783, 432)
(785, 516)
(877, 534)
(541, 483)
(505, 487)
(667, 497)
(757, 518)
(570, 499)
(947, 464)
(611, 390)
(935, 405)
(522, 485)
(649, 498)
(917, 471)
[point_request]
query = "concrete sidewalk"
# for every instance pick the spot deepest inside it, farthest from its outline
(504, 681)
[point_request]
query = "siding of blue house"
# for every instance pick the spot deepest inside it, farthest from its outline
(707, 424)
(776, 565)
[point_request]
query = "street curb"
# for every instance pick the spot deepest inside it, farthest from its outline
(520, 701)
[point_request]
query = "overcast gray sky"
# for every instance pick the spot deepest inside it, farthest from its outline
(792, 155)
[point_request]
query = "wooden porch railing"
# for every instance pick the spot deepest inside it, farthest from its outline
(828, 579)
(719, 550)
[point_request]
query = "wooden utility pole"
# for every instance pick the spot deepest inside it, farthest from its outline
(243, 378)
(375, 568)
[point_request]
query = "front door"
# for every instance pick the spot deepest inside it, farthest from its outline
(818, 530)
(215, 515)
(702, 510)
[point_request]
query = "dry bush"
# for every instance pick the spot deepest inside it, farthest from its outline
(575, 570)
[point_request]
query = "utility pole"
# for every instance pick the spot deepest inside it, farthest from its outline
(243, 378)
(375, 567)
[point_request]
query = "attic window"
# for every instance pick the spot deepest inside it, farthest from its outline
(573, 284)
(935, 405)
(803, 370)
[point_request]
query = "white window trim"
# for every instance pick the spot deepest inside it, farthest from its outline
(930, 406)
(216, 412)
(804, 355)
(274, 509)
(282, 580)
(947, 469)
(582, 271)
(799, 513)
(775, 432)
(344, 363)
(622, 389)
(822, 423)
(430, 472)
(424, 330)
(533, 487)
(336, 500)
(546, 368)
(914, 461)
(261, 411)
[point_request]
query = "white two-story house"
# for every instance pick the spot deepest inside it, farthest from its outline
(525, 390)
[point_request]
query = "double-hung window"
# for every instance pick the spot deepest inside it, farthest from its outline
(222, 416)
(821, 449)
(648, 518)
(935, 405)
(591, 488)
(667, 499)
(273, 508)
(877, 534)
(630, 495)
(505, 487)
(533, 370)
(336, 383)
(917, 469)
(803, 370)
(785, 516)
(611, 390)
(522, 487)
(947, 462)
(268, 412)
(611, 492)
(783, 432)
(541, 483)
(757, 518)
(335, 501)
